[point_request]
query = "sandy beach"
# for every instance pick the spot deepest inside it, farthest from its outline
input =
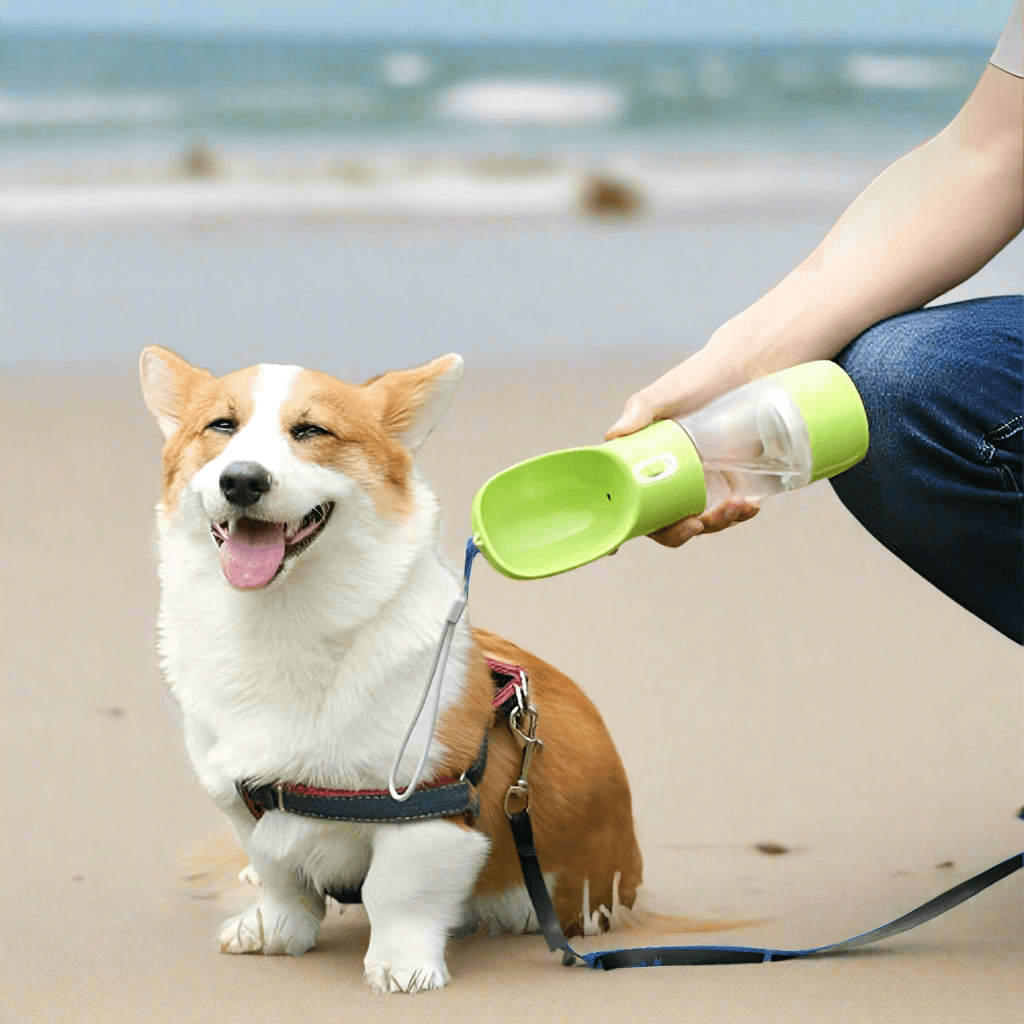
(787, 682)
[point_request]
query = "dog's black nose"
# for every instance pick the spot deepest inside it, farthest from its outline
(243, 483)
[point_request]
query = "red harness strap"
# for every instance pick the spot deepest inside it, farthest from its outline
(515, 675)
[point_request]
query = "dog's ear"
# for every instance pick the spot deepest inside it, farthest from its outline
(410, 403)
(167, 380)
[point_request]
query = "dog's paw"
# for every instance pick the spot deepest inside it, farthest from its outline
(243, 934)
(405, 976)
(269, 931)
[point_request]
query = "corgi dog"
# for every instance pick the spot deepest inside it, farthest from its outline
(302, 597)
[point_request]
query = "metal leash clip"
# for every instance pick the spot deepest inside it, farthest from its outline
(523, 723)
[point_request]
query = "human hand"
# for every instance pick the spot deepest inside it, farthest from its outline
(721, 517)
(684, 389)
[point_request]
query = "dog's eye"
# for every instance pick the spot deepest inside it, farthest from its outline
(223, 426)
(304, 431)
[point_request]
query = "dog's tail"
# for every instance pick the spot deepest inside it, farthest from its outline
(215, 868)
(642, 917)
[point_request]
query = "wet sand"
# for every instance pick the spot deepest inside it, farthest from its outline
(788, 682)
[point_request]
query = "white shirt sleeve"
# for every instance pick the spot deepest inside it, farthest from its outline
(1009, 53)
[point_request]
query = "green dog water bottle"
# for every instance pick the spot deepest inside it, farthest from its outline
(559, 511)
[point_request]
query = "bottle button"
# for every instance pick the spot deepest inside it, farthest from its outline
(654, 468)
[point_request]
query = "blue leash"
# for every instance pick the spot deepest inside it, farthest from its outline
(658, 956)
(665, 956)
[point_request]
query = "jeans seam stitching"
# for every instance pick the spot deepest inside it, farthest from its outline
(1005, 430)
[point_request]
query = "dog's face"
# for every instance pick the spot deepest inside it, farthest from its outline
(271, 461)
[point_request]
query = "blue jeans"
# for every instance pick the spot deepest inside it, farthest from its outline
(941, 484)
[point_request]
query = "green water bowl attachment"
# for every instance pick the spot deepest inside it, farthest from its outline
(559, 511)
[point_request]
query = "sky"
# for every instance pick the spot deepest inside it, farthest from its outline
(950, 21)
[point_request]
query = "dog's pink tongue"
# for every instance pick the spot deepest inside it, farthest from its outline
(252, 553)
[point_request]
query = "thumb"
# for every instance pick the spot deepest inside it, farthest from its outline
(635, 416)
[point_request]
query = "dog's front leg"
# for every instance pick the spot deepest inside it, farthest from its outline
(285, 920)
(420, 879)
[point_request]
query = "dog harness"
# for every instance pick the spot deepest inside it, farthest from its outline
(446, 797)
(450, 797)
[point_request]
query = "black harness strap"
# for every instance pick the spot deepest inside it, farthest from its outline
(533, 877)
(445, 798)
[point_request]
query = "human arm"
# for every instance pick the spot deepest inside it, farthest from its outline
(928, 222)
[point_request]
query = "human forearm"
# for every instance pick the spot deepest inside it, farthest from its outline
(927, 223)
(930, 221)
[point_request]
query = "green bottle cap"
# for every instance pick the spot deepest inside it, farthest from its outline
(836, 422)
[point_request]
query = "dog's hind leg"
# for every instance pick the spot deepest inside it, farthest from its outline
(416, 892)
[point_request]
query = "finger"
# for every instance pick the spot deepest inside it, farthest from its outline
(748, 513)
(719, 518)
(728, 514)
(637, 415)
(678, 533)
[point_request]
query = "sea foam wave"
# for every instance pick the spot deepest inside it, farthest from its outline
(903, 72)
(537, 102)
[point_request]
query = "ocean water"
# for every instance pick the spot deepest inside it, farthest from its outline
(118, 95)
